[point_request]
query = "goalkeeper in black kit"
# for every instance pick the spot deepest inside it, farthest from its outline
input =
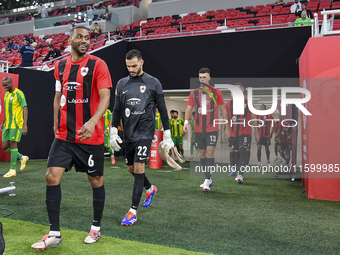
(136, 99)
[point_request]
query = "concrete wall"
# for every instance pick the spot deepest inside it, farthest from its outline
(144, 5)
(128, 14)
(17, 28)
(186, 6)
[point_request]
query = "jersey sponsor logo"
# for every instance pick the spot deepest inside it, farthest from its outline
(127, 112)
(138, 112)
(62, 100)
(11, 98)
(142, 89)
(78, 101)
(125, 92)
(84, 71)
(72, 86)
(133, 101)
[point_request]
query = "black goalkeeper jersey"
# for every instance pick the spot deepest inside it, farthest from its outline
(135, 103)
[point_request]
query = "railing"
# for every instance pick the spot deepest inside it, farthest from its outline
(221, 29)
(4, 65)
(327, 29)
(79, 16)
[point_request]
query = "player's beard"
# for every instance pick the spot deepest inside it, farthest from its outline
(137, 73)
(75, 47)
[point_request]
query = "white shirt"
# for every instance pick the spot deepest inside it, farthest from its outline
(39, 9)
(44, 13)
(294, 6)
(90, 27)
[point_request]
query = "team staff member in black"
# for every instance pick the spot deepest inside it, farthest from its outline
(82, 96)
(52, 53)
(137, 97)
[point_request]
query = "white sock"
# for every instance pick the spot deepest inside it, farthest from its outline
(54, 233)
(95, 228)
(133, 211)
(150, 190)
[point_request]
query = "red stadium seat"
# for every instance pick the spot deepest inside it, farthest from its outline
(18, 61)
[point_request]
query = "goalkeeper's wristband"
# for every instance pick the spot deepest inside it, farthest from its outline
(186, 122)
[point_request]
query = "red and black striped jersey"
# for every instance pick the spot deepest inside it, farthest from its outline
(277, 127)
(265, 123)
(238, 123)
(79, 83)
(286, 131)
(205, 122)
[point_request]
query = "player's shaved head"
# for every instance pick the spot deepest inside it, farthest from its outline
(7, 79)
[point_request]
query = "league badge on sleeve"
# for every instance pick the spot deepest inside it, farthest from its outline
(142, 89)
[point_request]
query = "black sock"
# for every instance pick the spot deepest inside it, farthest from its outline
(147, 184)
(275, 146)
(243, 160)
(53, 199)
(268, 154)
(248, 157)
(98, 205)
(259, 155)
(232, 161)
(237, 160)
(137, 190)
(210, 162)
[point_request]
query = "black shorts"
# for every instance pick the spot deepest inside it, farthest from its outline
(85, 157)
(286, 146)
(137, 152)
(203, 140)
(264, 141)
(238, 141)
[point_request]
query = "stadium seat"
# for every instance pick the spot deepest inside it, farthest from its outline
(18, 61)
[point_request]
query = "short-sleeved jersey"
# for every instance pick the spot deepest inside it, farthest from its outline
(135, 103)
(107, 117)
(176, 126)
(277, 127)
(238, 123)
(79, 83)
(286, 131)
(27, 53)
(266, 124)
(13, 106)
(205, 123)
(158, 121)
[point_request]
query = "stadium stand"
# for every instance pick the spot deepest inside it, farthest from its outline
(203, 22)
